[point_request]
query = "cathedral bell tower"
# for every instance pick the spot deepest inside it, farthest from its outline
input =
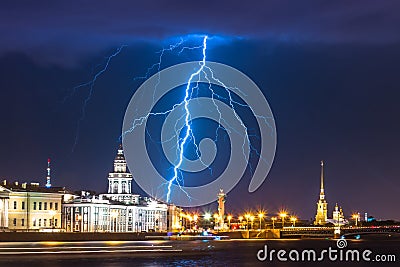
(322, 206)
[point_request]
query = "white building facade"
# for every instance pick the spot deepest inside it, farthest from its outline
(98, 215)
(28, 207)
(117, 211)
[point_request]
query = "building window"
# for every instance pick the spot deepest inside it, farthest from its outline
(123, 187)
(15, 222)
(56, 206)
(15, 205)
(51, 205)
(40, 222)
(55, 222)
(45, 206)
(23, 205)
(34, 222)
(40, 205)
(22, 222)
(44, 222)
(34, 205)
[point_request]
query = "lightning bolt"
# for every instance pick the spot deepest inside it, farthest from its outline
(189, 92)
(189, 95)
(90, 84)
(232, 104)
(161, 53)
(187, 116)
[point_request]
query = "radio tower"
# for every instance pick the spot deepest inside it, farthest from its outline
(48, 183)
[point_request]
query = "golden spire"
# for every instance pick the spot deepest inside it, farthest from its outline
(322, 176)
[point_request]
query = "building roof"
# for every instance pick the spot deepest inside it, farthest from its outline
(32, 187)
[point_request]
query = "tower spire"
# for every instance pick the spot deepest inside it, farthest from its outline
(48, 183)
(322, 205)
(322, 176)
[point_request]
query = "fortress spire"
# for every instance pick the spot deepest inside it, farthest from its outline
(322, 206)
(322, 177)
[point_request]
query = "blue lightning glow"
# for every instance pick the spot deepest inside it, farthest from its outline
(191, 87)
(187, 116)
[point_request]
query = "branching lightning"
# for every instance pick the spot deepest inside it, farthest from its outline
(188, 134)
(187, 116)
(191, 86)
(203, 69)
(91, 84)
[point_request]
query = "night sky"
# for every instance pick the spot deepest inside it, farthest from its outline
(330, 73)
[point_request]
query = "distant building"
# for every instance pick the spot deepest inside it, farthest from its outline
(338, 218)
(337, 214)
(322, 206)
(29, 207)
(119, 210)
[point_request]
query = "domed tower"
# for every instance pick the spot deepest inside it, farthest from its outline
(120, 180)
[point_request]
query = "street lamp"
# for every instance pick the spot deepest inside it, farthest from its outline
(190, 221)
(240, 220)
(283, 215)
(247, 216)
(195, 218)
(355, 217)
(207, 217)
(216, 219)
(260, 216)
(229, 221)
(293, 220)
(273, 222)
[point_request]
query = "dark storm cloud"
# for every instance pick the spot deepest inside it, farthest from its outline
(334, 97)
(61, 32)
